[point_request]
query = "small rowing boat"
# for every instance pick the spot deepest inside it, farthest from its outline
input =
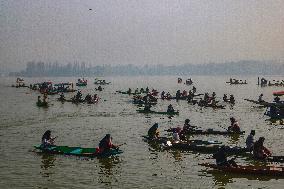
(208, 132)
(259, 170)
(77, 151)
(154, 112)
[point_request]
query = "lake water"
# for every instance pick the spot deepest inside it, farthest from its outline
(141, 165)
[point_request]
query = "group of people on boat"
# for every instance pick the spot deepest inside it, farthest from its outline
(236, 81)
(230, 100)
(257, 148)
(105, 144)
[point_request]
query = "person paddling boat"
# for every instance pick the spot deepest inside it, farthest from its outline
(259, 151)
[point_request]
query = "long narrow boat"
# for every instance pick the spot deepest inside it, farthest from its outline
(126, 92)
(198, 146)
(166, 139)
(154, 112)
(77, 151)
(259, 170)
(209, 132)
(267, 104)
(209, 148)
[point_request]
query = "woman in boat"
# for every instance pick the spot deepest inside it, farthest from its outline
(153, 132)
(221, 158)
(234, 127)
(170, 109)
(106, 144)
(250, 140)
(259, 151)
(47, 140)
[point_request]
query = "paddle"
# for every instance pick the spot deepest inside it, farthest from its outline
(223, 127)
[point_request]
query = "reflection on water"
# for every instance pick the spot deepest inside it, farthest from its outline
(109, 169)
(47, 162)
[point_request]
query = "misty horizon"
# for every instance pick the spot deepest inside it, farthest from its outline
(140, 32)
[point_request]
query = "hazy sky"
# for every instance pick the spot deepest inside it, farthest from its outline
(140, 32)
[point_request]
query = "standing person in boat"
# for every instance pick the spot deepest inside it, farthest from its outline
(259, 151)
(260, 98)
(170, 109)
(250, 140)
(221, 158)
(129, 91)
(106, 144)
(47, 140)
(234, 127)
(153, 132)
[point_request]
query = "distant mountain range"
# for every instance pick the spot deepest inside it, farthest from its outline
(80, 69)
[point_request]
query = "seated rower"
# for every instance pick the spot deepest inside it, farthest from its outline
(232, 99)
(163, 95)
(225, 98)
(106, 144)
(39, 100)
(260, 98)
(100, 88)
(136, 91)
(221, 158)
(153, 132)
(62, 97)
(170, 109)
(234, 127)
(277, 99)
(47, 140)
(176, 138)
(187, 127)
(250, 140)
(259, 151)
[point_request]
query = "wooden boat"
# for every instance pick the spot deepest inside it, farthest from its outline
(77, 151)
(208, 148)
(256, 170)
(266, 104)
(154, 112)
(126, 92)
(197, 146)
(208, 132)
